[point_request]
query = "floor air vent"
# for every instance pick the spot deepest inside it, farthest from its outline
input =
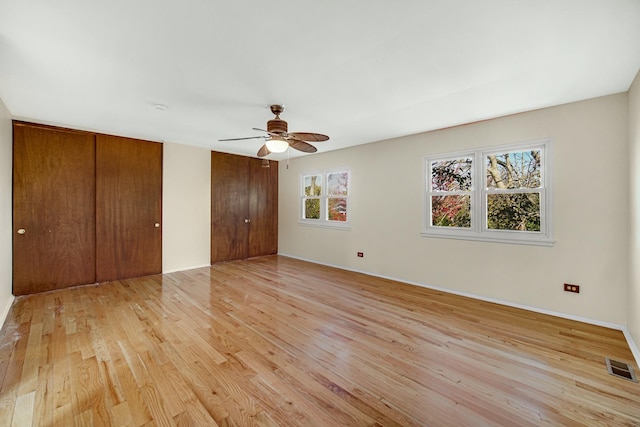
(620, 369)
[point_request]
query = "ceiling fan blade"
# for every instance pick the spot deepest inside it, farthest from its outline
(263, 151)
(308, 136)
(238, 139)
(301, 145)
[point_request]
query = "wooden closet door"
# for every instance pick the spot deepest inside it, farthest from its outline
(128, 208)
(53, 208)
(229, 207)
(263, 208)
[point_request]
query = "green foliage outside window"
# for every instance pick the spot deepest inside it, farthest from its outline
(312, 209)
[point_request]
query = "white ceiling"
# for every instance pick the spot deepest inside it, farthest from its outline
(359, 71)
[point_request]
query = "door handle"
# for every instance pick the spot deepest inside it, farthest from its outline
(22, 231)
(157, 225)
(247, 220)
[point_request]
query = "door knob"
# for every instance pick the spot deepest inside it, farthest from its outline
(22, 231)
(247, 220)
(157, 225)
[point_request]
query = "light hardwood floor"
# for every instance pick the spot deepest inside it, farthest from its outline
(274, 341)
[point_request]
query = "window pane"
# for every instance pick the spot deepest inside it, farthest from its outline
(337, 209)
(312, 185)
(517, 212)
(451, 175)
(338, 183)
(451, 211)
(312, 208)
(517, 169)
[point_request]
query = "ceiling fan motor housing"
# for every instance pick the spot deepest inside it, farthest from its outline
(277, 125)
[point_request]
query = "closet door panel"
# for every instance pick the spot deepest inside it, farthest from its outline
(128, 208)
(229, 207)
(53, 208)
(263, 208)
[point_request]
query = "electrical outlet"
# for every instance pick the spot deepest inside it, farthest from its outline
(568, 287)
(360, 254)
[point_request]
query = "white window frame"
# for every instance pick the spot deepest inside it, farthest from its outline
(324, 197)
(479, 192)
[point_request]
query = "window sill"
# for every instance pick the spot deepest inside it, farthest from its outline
(324, 224)
(491, 239)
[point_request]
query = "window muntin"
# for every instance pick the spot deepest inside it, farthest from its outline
(325, 198)
(495, 194)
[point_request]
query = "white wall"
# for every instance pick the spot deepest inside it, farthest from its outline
(186, 207)
(633, 297)
(6, 234)
(590, 213)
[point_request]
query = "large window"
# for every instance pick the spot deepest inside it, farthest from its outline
(325, 198)
(497, 194)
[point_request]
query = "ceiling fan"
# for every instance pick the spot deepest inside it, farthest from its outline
(278, 139)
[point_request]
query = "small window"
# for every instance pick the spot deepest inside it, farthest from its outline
(494, 194)
(325, 198)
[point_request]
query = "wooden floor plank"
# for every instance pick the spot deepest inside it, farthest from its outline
(274, 341)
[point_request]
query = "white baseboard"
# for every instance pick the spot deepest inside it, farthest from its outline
(625, 331)
(5, 310)
(632, 344)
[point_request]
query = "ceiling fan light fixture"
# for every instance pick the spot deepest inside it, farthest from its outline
(277, 145)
